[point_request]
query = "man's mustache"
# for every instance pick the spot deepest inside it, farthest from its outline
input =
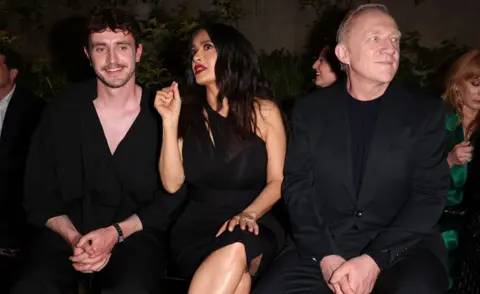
(113, 66)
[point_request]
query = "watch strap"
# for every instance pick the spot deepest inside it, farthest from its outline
(120, 233)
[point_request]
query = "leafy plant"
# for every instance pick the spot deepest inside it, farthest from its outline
(227, 11)
(43, 81)
(289, 73)
(166, 37)
(423, 66)
(165, 40)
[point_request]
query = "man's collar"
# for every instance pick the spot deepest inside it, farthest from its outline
(8, 97)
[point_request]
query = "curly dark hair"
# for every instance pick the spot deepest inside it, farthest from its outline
(12, 59)
(115, 20)
(239, 77)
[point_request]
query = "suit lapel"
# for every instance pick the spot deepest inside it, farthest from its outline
(348, 150)
(11, 124)
(388, 126)
(338, 134)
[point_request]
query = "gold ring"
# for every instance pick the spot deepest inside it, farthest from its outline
(247, 219)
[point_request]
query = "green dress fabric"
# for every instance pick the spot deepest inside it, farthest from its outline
(458, 173)
(458, 178)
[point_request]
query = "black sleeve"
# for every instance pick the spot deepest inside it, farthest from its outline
(429, 188)
(42, 198)
(310, 234)
(158, 214)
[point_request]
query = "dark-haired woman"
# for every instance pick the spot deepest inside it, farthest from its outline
(228, 145)
(327, 67)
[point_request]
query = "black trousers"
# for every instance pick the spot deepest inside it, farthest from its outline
(416, 271)
(135, 266)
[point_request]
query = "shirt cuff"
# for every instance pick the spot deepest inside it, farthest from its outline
(381, 258)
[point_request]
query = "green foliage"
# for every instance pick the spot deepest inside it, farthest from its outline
(36, 73)
(289, 73)
(227, 11)
(166, 35)
(165, 40)
(425, 67)
(43, 80)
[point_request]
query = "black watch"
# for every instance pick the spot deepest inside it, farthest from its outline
(120, 233)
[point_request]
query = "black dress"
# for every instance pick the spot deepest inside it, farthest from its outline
(223, 177)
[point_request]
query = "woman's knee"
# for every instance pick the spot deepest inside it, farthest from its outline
(232, 254)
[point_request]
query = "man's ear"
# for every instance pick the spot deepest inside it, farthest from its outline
(138, 52)
(13, 75)
(86, 52)
(342, 53)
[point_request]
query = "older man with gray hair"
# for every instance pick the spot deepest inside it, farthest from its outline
(366, 176)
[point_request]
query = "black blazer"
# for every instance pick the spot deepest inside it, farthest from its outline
(404, 186)
(21, 118)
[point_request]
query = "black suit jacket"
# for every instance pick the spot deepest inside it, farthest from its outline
(21, 118)
(404, 186)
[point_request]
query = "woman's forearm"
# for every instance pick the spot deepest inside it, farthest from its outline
(170, 163)
(266, 199)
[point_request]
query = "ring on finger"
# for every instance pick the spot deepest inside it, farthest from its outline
(248, 220)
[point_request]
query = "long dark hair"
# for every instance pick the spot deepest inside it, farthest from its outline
(238, 77)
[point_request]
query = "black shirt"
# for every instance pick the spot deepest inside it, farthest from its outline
(362, 117)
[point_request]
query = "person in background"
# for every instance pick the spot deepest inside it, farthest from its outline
(462, 99)
(20, 112)
(327, 67)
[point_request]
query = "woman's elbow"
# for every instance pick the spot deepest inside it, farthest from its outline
(172, 186)
(171, 189)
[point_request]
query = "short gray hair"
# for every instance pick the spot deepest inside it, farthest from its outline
(344, 26)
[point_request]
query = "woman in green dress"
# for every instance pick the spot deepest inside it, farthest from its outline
(462, 98)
